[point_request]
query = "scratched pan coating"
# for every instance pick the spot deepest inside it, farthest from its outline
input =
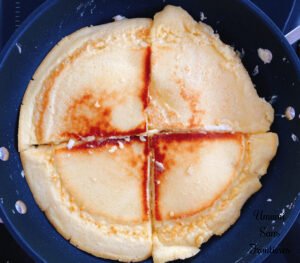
(239, 24)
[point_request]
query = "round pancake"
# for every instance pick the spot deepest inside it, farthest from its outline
(200, 190)
(95, 194)
(93, 87)
(79, 88)
(198, 82)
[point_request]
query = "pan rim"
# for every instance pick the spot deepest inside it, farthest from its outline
(9, 45)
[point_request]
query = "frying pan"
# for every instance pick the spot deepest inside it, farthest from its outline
(240, 24)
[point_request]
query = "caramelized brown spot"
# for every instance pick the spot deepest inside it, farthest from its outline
(82, 125)
(133, 163)
(43, 97)
(146, 77)
(145, 183)
(143, 34)
(113, 230)
(84, 119)
(192, 99)
(100, 144)
(195, 136)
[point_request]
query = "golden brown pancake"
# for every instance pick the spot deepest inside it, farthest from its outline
(94, 82)
(200, 183)
(95, 194)
(198, 82)
(87, 164)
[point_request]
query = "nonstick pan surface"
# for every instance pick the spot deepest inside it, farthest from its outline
(239, 24)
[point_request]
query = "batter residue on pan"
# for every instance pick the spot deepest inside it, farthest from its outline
(144, 137)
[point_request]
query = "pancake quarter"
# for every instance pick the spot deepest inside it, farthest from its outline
(198, 82)
(201, 182)
(79, 89)
(95, 194)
